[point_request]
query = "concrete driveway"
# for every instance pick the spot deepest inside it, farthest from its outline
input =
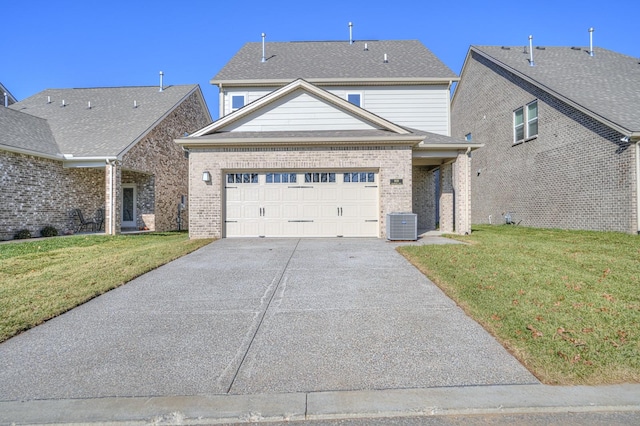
(260, 316)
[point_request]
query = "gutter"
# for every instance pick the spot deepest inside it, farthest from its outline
(298, 141)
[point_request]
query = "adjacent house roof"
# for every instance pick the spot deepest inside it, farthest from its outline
(334, 62)
(102, 122)
(606, 85)
(27, 134)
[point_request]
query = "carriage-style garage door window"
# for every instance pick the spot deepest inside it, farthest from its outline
(357, 177)
(242, 178)
(319, 177)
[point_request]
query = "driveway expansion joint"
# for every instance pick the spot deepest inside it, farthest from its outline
(262, 316)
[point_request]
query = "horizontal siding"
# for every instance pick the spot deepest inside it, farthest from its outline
(419, 107)
(298, 112)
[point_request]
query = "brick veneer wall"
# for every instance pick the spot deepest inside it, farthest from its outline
(576, 174)
(206, 200)
(165, 165)
(38, 192)
(424, 196)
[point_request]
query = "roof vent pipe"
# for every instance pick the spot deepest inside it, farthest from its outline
(48, 99)
(366, 48)
(88, 104)
(531, 51)
(6, 100)
(161, 83)
(264, 55)
(350, 32)
(63, 103)
(386, 59)
(135, 104)
(591, 41)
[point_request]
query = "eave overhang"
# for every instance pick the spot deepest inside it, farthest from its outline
(409, 81)
(221, 142)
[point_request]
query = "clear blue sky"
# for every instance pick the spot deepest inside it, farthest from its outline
(64, 44)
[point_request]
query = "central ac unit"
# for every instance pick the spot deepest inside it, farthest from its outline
(402, 226)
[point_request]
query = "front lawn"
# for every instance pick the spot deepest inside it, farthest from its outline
(42, 279)
(565, 303)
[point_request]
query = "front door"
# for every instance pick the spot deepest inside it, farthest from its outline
(128, 213)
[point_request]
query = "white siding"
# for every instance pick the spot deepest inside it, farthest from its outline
(419, 107)
(298, 112)
(250, 95)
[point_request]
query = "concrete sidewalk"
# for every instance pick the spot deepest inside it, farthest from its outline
(289, 407)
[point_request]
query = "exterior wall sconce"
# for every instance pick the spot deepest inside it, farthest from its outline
(206, 177)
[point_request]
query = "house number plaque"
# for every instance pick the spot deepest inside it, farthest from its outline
(396, 182)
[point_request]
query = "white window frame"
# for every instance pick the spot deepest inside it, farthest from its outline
(237, 95)
(361, 96)
(531, 120)
(526, 123)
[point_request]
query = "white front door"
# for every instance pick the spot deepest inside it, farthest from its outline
(128, 213)
(307, 204)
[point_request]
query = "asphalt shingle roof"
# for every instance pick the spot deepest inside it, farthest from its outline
(111, 124)
(26, 132)
(607, 84)
(407, 59)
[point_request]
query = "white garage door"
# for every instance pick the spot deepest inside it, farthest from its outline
(307, 204)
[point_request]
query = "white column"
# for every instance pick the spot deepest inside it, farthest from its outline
(112, 198)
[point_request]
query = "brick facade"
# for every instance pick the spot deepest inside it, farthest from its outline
(576, 174)
(206, 200)
(425, 195)
(38, 192)
(161, 168)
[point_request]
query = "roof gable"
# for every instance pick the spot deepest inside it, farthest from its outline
(605, 86)
(315, 107)
(98, 122)
(333, 61)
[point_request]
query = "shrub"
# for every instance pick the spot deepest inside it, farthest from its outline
(22, 234)
(49, 231)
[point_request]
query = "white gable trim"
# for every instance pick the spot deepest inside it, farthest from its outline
(314, 91)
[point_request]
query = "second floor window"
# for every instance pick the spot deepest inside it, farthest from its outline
(237, 102)
(525, 122)
(354, 98)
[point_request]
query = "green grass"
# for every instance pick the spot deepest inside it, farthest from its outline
(42, 279)
(565, 303)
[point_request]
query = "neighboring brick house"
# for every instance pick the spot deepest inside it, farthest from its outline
(561, 136)
(322, 139)
(106, 150)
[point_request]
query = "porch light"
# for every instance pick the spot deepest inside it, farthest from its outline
(206, 177)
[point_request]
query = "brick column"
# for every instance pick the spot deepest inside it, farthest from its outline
(446, 198)
(112, 207)
(462, 192)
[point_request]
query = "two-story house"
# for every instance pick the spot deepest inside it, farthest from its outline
(321, 139)
(561, 134)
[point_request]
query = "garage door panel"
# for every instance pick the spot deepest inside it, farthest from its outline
(291, 193)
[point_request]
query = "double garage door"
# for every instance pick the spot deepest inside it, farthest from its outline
(301, 204)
